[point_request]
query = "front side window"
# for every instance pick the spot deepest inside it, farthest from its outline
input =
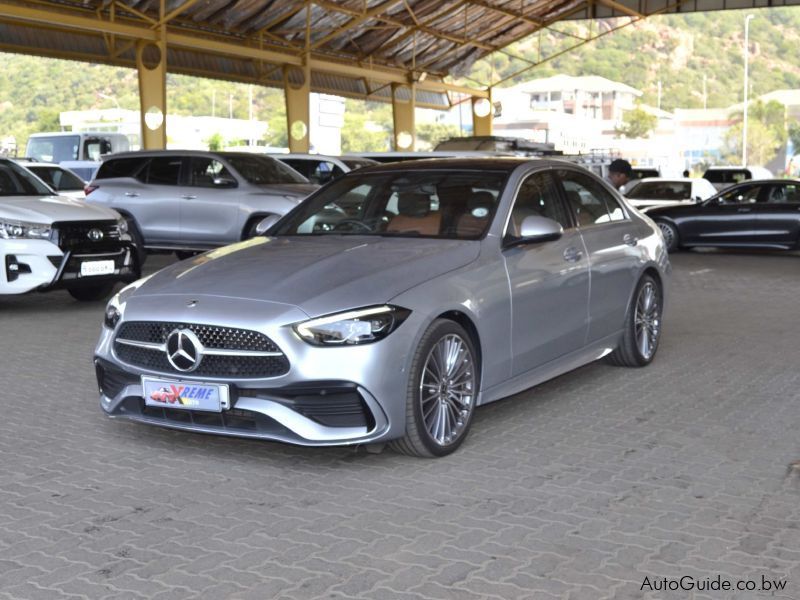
(16, 181)
(164, 170)
(537, 197)
(589, 201)
(207, 172)
(661, 190)
(94, 148)
(746, 194)
(439, 204)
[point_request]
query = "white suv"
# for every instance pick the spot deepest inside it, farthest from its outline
(49, 241)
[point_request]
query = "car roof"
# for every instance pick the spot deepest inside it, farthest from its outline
(499, 163)
(171, 152)
(672, 179)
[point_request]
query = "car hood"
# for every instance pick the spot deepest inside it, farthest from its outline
(295, 190)
(319, 275)
(52, 209)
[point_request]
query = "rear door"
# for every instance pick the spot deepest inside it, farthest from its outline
(610, 242)
(549, 281)
(779, 214)
(209, 204)
(728, 219)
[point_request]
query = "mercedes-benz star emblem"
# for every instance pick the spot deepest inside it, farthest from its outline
(184, 350)
(191, 303)
(95, 234)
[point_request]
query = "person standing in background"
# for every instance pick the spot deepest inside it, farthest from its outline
(619, 172)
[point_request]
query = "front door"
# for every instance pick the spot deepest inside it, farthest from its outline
(549, 281)
(209, 205)
(779, 214)
(728, 219)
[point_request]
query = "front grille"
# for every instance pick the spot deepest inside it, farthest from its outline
(75, 236)
(212, 338)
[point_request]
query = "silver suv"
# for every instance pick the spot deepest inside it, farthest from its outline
(192, 200)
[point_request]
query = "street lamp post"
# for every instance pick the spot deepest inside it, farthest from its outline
(746, 65)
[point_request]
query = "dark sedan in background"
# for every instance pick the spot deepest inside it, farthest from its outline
(757, 214)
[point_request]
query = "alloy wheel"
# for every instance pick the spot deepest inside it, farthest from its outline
(447, 389)
(647, 320)
(669, 234)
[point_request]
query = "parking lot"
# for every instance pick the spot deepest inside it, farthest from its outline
(576, 489)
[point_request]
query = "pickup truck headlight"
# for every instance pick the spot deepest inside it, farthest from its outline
(16, 230)
(362, 326)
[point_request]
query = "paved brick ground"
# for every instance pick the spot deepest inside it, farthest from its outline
(577, 489)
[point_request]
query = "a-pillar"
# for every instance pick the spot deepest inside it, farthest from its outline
(403, 103)
(151, 63)
(297, 91)
(482, 115)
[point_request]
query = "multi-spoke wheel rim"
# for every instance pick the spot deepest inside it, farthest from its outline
(669, 234)
(647, 320)
(447, 389)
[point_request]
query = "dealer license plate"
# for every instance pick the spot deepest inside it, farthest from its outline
(188, 395)
(97, 267)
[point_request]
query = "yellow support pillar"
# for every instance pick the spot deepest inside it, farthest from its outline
(403, 104)
(482, 110)
(151, 62)
(297, 91)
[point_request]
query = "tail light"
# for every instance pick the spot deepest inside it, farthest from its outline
(88, 189)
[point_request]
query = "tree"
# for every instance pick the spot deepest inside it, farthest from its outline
(794, 136)
(430, 134)
(637, 123)
(763, 143)
(215, 142)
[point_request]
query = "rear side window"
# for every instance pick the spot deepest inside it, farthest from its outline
(163, 170)
(589, 201)
(120, 167)
(727, 175)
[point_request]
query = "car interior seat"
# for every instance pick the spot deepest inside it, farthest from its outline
(415, 215)
(473, 222)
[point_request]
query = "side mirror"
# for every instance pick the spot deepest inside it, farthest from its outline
(224, 182)
(538, 229)
(266, 224)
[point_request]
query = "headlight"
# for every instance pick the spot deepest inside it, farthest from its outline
(10, 230)
(362, 326)
(113, 312)
(122, 226)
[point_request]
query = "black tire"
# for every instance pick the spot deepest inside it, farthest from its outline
(671, 236)
(92, 293)
(138, 241)
(184, 254)
(418, 439)
(250, 227)
(640, 320)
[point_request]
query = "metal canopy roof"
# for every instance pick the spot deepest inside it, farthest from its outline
(354, 48)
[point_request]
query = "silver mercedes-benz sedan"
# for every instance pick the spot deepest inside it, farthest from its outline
(389, 305)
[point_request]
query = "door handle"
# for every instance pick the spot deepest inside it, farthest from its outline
(572, 254)
(630, 239)
(744, 210)
(188, 197)
(131, 194)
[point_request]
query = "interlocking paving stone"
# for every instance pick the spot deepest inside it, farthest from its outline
(575, 489)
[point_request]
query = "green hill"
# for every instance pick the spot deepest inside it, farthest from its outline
(678, 50)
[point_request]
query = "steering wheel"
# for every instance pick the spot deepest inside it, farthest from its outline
(351, 223)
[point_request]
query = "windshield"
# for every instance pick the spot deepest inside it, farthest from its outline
(438, 204)
(59, 179)
(661, 190)
(263, 170)
(17, 181)
(54, 149)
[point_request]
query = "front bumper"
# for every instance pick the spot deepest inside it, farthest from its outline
(28, 265)
(328, 396)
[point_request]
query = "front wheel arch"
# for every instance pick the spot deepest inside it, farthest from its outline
(251, 222)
